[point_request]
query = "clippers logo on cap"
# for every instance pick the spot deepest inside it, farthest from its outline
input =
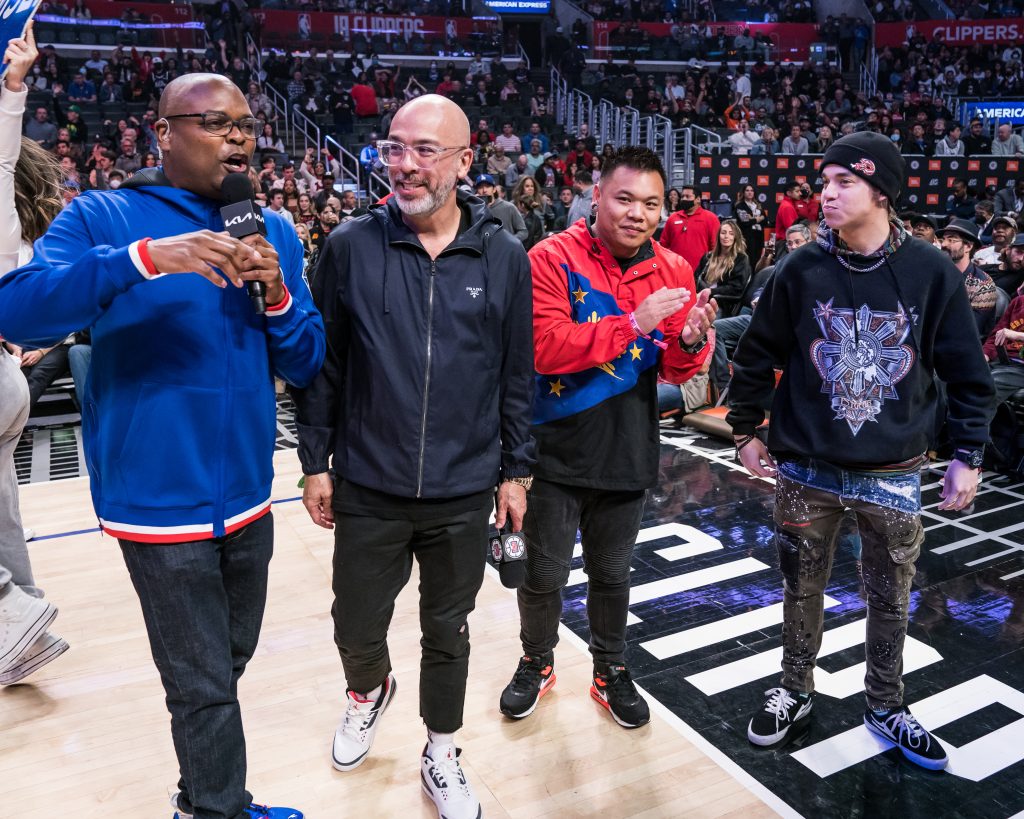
(515, 546)
(865, 166)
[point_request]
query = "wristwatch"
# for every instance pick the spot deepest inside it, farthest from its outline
(694, 348)
(972, 457)
(526, 481)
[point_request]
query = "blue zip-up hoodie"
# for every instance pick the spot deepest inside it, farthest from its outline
(179, 422)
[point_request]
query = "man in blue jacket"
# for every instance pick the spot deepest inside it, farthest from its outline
(179, 416)
(424, 405)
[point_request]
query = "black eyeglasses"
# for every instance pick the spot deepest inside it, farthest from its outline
(220, 124)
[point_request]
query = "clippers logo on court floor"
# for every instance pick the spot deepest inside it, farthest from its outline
(861, 359)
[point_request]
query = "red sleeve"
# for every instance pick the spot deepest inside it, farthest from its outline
(675, 365)
(784, 219)
(668, 234)
(560, 344)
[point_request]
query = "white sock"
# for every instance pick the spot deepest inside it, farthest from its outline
(438, 742)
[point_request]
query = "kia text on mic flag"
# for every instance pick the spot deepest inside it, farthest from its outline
(14, 16)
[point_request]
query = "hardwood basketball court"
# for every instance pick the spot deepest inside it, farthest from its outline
(89, 736)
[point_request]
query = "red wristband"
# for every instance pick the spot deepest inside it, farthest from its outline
(145, 258)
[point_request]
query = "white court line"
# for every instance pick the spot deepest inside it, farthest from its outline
(693, 580)
(698, 741)
(718, 631)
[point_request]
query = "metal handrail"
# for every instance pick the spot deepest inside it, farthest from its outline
(377, 186)
(662, 142)
(682, 173)
(710, 142)
(347, 162)
(308, 128)
(522, 54)
(629, 126)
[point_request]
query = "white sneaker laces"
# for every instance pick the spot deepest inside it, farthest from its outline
(905, 721)
(779, 702)
(452, 779)
(358, 717)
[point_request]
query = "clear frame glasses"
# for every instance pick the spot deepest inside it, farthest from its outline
(425, 156)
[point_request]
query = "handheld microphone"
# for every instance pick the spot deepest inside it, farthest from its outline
(509, 552)
(243, 217)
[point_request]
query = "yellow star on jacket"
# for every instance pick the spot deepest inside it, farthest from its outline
(556, 387)
(635, 351)
(580, 294)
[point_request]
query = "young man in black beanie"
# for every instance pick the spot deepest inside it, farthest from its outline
(863, 322)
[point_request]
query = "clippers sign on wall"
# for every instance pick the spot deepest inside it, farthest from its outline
(282, 27)
(1006, 31)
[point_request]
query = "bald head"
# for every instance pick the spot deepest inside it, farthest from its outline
(431, 117)
(184, 93)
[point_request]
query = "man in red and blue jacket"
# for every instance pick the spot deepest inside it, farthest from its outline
(612, 311)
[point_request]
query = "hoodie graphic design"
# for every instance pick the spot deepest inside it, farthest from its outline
(861, 358)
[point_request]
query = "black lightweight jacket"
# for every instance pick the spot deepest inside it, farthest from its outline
(427, 387)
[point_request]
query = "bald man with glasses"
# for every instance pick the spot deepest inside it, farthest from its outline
(423, 410)
(179, 416)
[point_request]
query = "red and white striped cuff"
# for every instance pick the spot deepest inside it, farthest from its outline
(182, 534)
(282, 306)
(139, 254)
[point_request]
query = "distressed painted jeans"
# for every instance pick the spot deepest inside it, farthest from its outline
(810, 499)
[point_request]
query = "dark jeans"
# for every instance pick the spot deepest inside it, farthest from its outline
(727, 335)
(203, 606)
(372, 563)
(609, 522)
(50, 367)
(807, 523)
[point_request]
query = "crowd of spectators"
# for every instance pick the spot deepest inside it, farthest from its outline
(923, 67)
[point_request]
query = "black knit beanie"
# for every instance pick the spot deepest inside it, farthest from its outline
(873, 157)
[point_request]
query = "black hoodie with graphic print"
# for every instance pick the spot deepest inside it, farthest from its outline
(860, 349)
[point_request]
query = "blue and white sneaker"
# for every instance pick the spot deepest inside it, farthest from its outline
(902, 729)
(266, 812)
(358, 727)
(255, 811)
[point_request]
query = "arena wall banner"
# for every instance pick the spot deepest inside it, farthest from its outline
(1011, 111)
(792, 40)
(295, 29)
(929, 179)
(150, 12)
(1004, 31)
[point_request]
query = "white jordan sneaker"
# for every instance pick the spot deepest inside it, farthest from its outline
(354, 736)
(445, 785)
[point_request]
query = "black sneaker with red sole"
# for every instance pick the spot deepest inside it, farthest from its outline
(532, 680)
(614, 689)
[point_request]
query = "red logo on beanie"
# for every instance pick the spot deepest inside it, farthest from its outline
(865, 166)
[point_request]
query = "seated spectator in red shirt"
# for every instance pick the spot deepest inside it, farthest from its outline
(580, 155)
